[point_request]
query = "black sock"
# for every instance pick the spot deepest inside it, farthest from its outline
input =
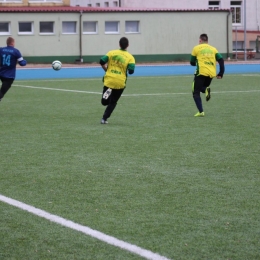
(198, 103)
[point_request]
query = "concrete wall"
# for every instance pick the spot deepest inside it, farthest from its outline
(163, 35)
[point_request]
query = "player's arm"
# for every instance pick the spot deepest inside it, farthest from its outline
(22, 62)
(131, 65)
(193, 60)
(20, 58)
(220, 61)
(103, 61)
(193, 57)
(131, 68)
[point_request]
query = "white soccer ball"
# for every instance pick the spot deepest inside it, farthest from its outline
(56, 65)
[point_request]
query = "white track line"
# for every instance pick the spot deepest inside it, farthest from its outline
(84, 229)
(135, 95)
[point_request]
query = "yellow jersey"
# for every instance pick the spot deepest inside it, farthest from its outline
(205, 57)
(118, 62)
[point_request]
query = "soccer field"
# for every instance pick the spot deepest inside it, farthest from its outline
(160, 183)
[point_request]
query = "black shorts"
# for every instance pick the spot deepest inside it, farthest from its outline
(200, 83)
(6, 84)
(114, 97)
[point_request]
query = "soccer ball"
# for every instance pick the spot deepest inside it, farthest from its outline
(56, 65)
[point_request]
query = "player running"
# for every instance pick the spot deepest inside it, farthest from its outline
(204, 56)
(9, 56)
(117, 64)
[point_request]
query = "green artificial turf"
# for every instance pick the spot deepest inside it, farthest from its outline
(155, 176)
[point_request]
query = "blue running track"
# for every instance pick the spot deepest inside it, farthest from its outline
(97, 72)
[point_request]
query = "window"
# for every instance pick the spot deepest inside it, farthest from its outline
(252, 45)
(47, 27)
(97, 4)
(132, 27)
(69, 27)
(4, 28)
(90, 27)
(214, 5)
(106, 4)
(236, 7)
(89, 5)
(115, 3)
(238, 45)
(25, 27)
(111, 27)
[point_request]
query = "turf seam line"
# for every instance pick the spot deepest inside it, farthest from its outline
(84, 229)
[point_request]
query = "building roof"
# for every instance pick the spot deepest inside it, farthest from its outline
(77, 9)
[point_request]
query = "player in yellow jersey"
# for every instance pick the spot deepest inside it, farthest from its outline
(117, 64)
(205, 56)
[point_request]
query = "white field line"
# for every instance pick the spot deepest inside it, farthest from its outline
(84, 229)
(215, 92)
(60, 89)
(135, 95)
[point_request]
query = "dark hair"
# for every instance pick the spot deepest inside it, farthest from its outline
(123, 43)
(9, 41)
(204, 37)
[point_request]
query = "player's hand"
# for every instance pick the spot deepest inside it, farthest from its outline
(219, 77)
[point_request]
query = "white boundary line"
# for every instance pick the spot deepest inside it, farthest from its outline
(59, 89)
(136, 95)
(84, 229)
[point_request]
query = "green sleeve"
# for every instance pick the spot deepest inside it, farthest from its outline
(131, 66)
(193, 58)
(105, 58)
(218, 56)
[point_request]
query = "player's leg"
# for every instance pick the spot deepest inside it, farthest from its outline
(114, 97)
(207, 88)
(6, 85)
(196, 89)
(105, 98)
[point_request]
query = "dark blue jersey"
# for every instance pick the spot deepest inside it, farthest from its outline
(9, 56)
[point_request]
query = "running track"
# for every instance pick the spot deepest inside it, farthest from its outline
(154, 70)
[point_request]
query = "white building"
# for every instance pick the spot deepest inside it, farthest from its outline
(245, 13)
(69, 34)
